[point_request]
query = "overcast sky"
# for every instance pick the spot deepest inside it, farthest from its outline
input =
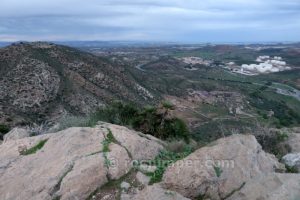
(150, 20)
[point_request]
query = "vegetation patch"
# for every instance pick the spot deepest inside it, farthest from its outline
(73, 121)
(285, 115)
(3, 130)
(156, 121)
(35, 148)
(165, 159)
(216, 129)
(201, 197)
(107, 162)
(108, 139)
(56, 198)
(293, 169)
(218, 171)
(273, 143)
(106, 142)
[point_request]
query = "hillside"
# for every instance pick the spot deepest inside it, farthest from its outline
(214, 101)
(42, 81)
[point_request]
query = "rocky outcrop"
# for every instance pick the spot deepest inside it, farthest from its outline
(270, 187)
(76, 162)
(69, 164)
(220, 168)
(16, 133)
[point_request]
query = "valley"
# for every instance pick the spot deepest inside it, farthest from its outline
(177, 73)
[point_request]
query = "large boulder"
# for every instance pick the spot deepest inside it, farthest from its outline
(16, 133)
(292, 160)
(70, 164)
(220, 168)
(270, 187)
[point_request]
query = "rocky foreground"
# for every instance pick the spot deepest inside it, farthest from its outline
(107, 162)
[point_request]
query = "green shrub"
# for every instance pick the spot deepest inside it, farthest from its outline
(281, 136)
(108, 139)
(218, 171)
(151, 120)
(175, 128)
(176, 145)
(293, 170)
(274, 143)
(116, 113)
(201, 197)
(265, 116)
(155, 121)
(3, 130)
(167, 105)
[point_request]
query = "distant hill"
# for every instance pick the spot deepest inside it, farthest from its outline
(41, 81)
(3, 44)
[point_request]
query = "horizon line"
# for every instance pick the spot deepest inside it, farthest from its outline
(156, 42)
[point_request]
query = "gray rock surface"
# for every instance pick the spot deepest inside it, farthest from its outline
(125, 186)
(156, 192)
(141, 147)
(142, 178)
(70, 165)
(16, 133)
(270, 187)
(147, 168)
(292, 160)
(220, 168)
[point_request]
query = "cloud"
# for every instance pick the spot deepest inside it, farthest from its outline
(159, 20)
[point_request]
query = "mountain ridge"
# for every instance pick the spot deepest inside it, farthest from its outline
(48, 80)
